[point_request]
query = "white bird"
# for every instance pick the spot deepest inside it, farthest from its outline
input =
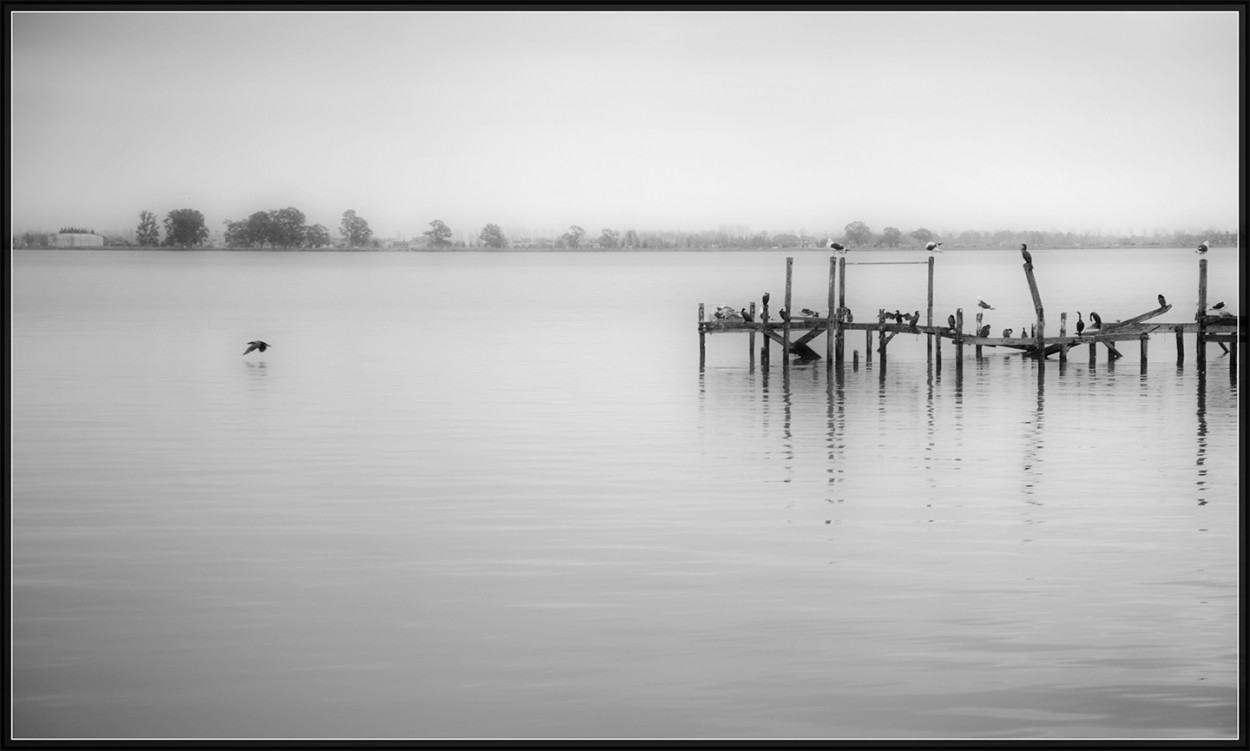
(1204, 247)
(933, 247)
(984, 304)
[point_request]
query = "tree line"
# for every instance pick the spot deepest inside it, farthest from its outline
(287, 228)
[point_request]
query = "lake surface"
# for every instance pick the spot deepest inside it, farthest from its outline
(493, 495)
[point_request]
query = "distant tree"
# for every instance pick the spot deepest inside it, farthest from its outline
(75, 231)
(317, 236)
(891, 237)
(236, 234)
(609, 238)
(492, 236)
(355, 230)
(286, 228)
(260, 229)
(631, 239)
(439, 234)
(857, 233)
(185, 228)
(147, 234)
(573, 238)
(922, 235)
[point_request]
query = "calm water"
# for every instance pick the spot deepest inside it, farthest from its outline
(493, 496)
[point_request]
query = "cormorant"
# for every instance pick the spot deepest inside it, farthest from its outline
(1006, 333)
(1024, 251)
(915, 319)
(984, 304)
(765, 298)
(1218, 306)
(785, 314)
(932, 247)
(1096, 319)
(984, 332)
(951, 321)
(1080, 324)
(258, 344)
(849, 318)
(747, 316)
(1204, 247)
(1162, 303)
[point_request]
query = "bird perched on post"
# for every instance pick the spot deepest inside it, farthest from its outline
(765, 298)
(1204, 247)
(1024, 251)
(837, 247)
(258, 344)
(984, 332)
(985, 305)
(915, 319)
(1097, 319)
(810, 313)
(1218, 306)
(1162, 302)
(846, 312)
(747, 316)
(1007, 333)
(1080, 324)
(950, 320)
(785, 314)
(933, 247)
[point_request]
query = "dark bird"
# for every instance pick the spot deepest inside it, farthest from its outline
(849, 318)
(984, 304)
(1006, 333)
(898, 316)
(915, 319)
(765, 298)
(747, 316)
(1162, 302)
(785, 314)
(1218, 306)
(1204, 247)
(1024, 251)
(1080, 324)
(258, 344)
(984, 332)
(950, 320)
(810, 313)
(1097, 319)
(1032, 332)
(1024, 329)
(933, 247)
(838, 247)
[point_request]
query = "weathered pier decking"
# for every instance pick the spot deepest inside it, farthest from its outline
(1226, 330)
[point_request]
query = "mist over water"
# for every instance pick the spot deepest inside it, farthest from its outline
(480, 495)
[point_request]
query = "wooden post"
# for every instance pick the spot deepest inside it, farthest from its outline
(928, 319)
(1180, 347)
(764, 351)
(833, 269)
(702, 336)
(1063, 332)
(1040, 339)
(1200, 348)
(841, 308)
(959, 339)
(978, 349)
(785, 326)
(1145, 340)
(751, 337)
(1093, 354)
(855, 359)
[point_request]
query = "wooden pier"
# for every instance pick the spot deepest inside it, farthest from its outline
(1226, 330)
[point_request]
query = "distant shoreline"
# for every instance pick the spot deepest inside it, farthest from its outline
(595, 250)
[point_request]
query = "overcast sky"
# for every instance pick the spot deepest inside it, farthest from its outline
(648, 120)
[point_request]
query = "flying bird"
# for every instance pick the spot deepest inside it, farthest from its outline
(985, 305)
(1162, 302)
(1080, 324)
(1097, 319)
(1204, 247)
(258, 344)
(933, 247)
(1024, 251)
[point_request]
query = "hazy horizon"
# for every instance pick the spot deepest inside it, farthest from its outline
(1081, 121)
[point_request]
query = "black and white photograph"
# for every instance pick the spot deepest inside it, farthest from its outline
(406, 374)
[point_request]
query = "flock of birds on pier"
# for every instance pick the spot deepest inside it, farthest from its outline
(913, 319)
